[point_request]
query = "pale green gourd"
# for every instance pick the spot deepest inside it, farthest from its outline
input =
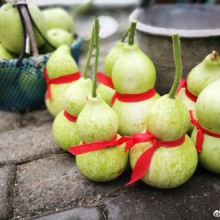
(106, 92)
(98, 122)
(60, 63)
(133, 73)
(170, 167)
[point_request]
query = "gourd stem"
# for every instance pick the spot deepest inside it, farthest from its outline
(178, 65)
(132, 32)
(214, 55)
(96, 37)
(89, 56)
(125, 35)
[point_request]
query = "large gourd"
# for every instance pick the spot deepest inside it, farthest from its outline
(168, 120)
(98, 122)
(133, 73)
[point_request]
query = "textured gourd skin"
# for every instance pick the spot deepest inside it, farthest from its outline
(97, 121)
(190, 105)
(209, 157)
(76, 96)
(162, 118)
(132, 116)
(112, 56)
(170, 167)
(59, 64)
(11, 34)
(203, 74)
(65, 132)
(133, 72)
(103, 165)
(208, 107)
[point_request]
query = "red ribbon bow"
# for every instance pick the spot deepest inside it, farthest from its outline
(183, 84)
(133, 97)
(69, 116)
(59, 80)
(105, 80)
(143, 163)
(94, 146)
(200, 133)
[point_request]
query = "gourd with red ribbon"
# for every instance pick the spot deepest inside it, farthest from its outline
(200, 76)
(206, 134)
(133, 76)
(97, 124)
(64, 126)
(169, 158)
(106, 89)
(60, 73)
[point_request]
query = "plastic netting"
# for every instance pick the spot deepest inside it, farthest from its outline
(23, 87)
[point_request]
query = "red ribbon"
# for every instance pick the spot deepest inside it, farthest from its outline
(105, 80)
(143, 162)
(59, 80)
(69, 116)
(183, 84)
(94, 146)
(200, 133)
(133, 97)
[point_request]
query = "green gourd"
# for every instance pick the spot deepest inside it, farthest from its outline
(200, 76)
(59, 64)
(208, 113)
(98, 122)
(133, 73)
(105, 91)
(168, 120)
(64, 131)
(11, 34)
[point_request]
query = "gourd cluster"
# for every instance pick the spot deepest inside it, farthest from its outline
(124, 118)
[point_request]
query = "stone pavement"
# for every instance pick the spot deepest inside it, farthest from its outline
(40, 181)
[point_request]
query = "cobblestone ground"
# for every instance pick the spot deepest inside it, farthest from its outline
(40, 181)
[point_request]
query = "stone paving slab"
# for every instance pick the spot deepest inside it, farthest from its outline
(25, 144)
(9, 121)
(36, 118)
(77, 214)
(54, 184)
(7, 178)
(196, 199)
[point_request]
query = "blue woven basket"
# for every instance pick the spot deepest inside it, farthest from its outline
(23, 87)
